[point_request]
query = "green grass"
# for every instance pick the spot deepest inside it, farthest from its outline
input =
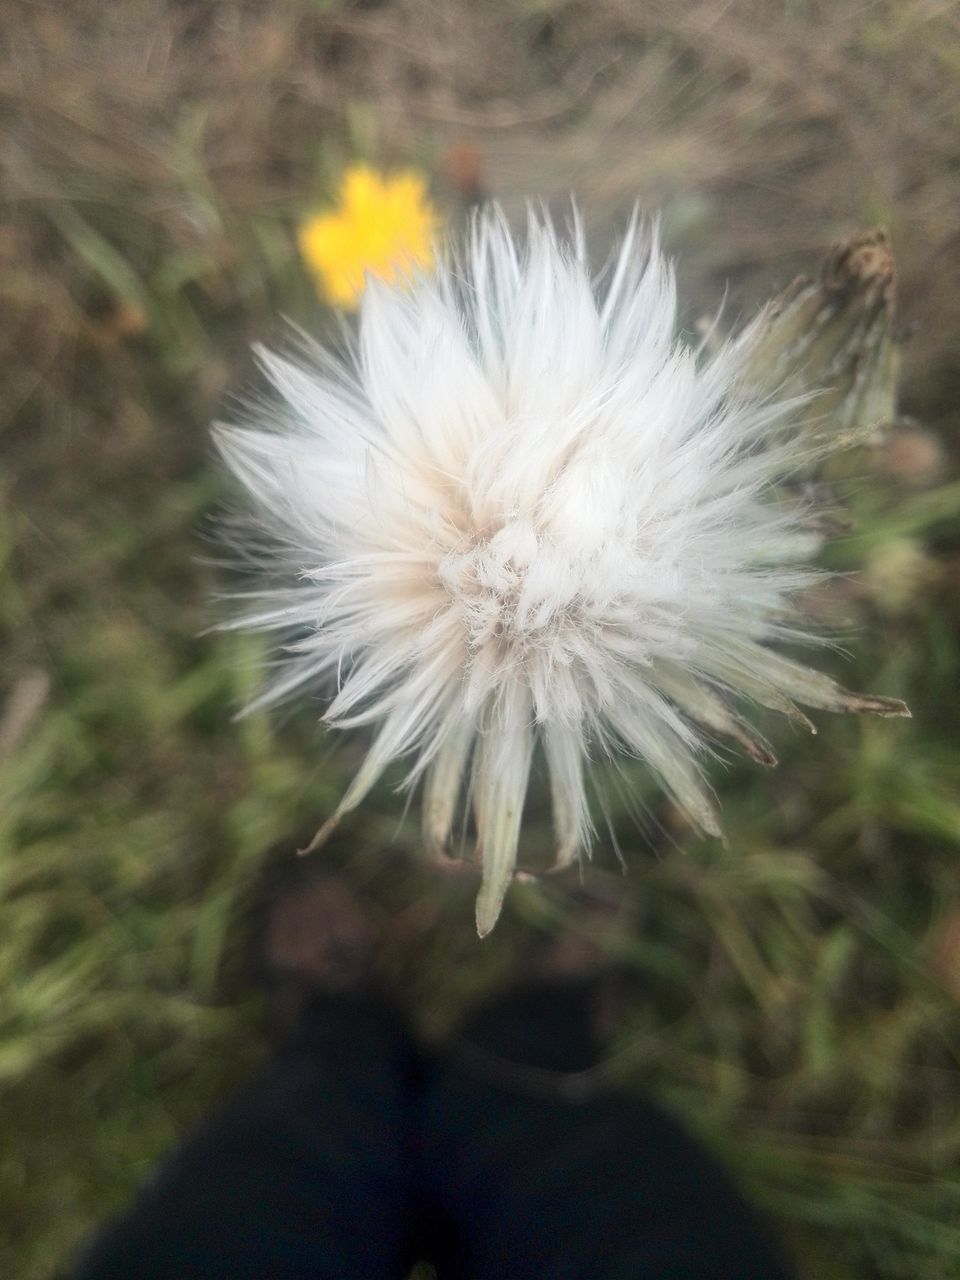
(798, 990)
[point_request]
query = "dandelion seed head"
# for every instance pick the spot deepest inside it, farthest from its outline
(521, 513)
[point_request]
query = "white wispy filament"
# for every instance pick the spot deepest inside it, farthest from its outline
(519, 513)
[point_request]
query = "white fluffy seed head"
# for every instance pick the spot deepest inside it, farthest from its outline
(519, 512)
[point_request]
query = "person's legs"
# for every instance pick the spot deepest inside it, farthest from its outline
(303, 1178)
(539, 1174)
(348, 1156)
(306, 1176)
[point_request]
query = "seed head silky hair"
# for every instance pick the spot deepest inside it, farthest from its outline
(516, 510)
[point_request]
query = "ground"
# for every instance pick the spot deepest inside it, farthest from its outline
(797, 990)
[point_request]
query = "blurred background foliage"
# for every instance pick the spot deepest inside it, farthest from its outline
(797, 992)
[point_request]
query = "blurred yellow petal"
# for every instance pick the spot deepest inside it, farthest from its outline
(383, 224)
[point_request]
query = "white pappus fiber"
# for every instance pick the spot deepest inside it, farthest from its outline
(518, 511)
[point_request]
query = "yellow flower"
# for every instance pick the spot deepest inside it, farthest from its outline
(384, 224)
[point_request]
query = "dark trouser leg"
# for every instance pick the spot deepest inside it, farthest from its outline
(303, 1178)
(536, 1184)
